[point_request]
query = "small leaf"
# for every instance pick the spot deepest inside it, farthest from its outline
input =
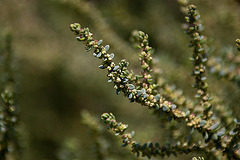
(197, 17)
(132, 134)
(191, 59)
(232, 133)
(144, 95)
(100, 42)
(124, 145)
(150, 145)
(157, 97)
(118, 91)
(215, 137)
(215, 126)
(101, 67)
(144, 146)
(149, 80)
(115, 68)
(169, 118)
(137, 145)
(187, 113)
(173, 106)
(130, 96)
(236, 121)
(221, 133)
(206, 136)
(204, 60)
(79, 38)
(157, 145)
(138, 154)
(125, 80)
(131, 86)
(165, 108)
(197, 95)
(107, 47)
(143, 90)
(191, 130)
(210, 98)
(98, 55)
(125, 140)
(88, 49)
(196, 72)
(139, 93)
(203, 78)
(200, 49)
(202, 123)
(111, 55)
(149, 156)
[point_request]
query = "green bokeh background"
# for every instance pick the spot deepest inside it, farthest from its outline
(57, 78)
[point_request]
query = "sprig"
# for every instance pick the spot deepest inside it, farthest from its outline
(199, 59)
(8, 113)
(141, 90)
(147, 149)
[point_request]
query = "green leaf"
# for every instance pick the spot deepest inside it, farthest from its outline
(139, 93)
(232, 133)
(203, 78)
(200, 49)
(131, 86)
(100, 42)
(157, 97)
(125, 140)
(157, 145)
(98, 55)
(191, 130)
(111, 55)
(197, 95)
(143, 90)
(215, 137)
(150, 145)
(101, 67)
(191, 59)
(221, 133)
(130, 96)
(204, 60)
(138, 154)
(202, 123)
(124, 145)
(187, 113)
(144, 146)
(173, 106)
(165, 108)
(215, 126)
(107, 48)
(118, 91)
(115, 68)
(197, 72)
(206, 135)
(236, 121)
(169, 118)
(132, 134)
(149, 156)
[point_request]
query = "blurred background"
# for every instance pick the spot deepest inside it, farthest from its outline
(58, 79)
